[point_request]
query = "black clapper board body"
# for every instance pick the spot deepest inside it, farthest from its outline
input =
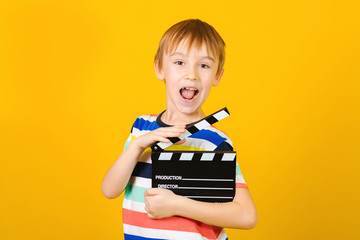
(207, 176)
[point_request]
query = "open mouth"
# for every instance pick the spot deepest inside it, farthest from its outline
(188, 93)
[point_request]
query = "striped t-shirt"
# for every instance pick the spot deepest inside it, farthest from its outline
(137, 225)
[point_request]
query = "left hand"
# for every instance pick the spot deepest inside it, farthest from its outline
(160, 203)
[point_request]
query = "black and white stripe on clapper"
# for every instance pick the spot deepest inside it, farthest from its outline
(193, 128)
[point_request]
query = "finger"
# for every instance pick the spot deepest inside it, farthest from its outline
(158, 138)
(154, 191)
(180, 142)
(170, 132)
(151, 216)
(174, 129)
(149, 191)
(163, 139)
(180, 127)
(177, 126)
(146, 193)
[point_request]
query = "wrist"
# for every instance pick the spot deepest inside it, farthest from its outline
(135, 148)
(136, 145)
(179, 202)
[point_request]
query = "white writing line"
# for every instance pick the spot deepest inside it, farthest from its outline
(206, 197)
(207, 179)
(205, 188)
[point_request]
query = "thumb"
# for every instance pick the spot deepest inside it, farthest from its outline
(150, 192)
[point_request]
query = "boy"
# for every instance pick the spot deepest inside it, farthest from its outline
(190, 60)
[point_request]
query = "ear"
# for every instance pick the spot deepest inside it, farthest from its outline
(218, 78)
(159, 73)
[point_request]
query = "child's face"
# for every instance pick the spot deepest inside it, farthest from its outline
(189, 77)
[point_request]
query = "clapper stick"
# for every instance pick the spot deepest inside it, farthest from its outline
(207, 176)
(193, 128)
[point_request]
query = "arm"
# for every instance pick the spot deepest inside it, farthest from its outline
(240, 213)
(119, 173)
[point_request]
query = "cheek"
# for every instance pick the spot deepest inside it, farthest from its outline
(172, 73)
(208, 83)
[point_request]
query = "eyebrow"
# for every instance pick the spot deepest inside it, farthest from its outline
(177, 53)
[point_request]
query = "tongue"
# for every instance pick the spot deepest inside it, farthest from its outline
(187, 93)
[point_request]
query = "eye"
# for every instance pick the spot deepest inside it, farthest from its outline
(179, 63)
(203, 65)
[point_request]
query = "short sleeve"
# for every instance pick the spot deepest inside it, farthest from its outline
(130, 137)
(239, 178)
(240, 181)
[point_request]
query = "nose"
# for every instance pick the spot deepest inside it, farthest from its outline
(191, 73)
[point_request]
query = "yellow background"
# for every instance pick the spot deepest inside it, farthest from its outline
(75, 75)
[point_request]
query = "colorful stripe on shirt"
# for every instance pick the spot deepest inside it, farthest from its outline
(137, 225)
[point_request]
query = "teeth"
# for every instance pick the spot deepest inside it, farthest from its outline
(193, 89)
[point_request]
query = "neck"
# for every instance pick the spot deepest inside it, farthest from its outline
(176, 118)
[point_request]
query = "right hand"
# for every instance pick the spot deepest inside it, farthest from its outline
(159, 135)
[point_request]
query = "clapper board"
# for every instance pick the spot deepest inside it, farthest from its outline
(207, 176)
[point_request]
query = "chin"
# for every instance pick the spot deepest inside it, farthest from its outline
(189, 110)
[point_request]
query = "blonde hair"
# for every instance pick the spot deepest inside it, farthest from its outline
(196, 31)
